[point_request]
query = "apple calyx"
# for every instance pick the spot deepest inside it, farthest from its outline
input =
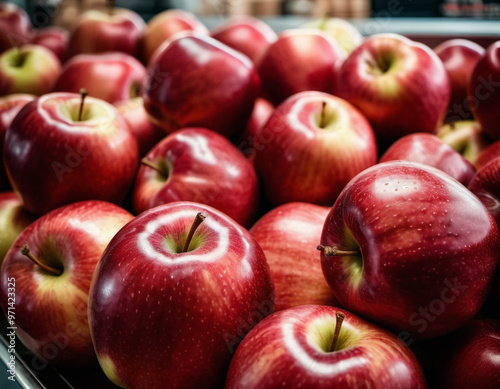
(196, 223)
(338, 325)
(83, 94)
(330, 251)
(27, 252)
(155, 166)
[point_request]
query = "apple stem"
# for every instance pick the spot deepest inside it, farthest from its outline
(330, 251)
(322, 120)
(27, 252)
(196, 223)
(338, 325)
(83, 94)
(111, 6)
(154, 166)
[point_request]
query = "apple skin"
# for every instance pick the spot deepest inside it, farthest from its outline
(289, 349)
(64, 160)
(459, 57)
(220, 289)
(15, 26)
(166, 24)
(472, 359)
(51, 310)
(202, 167)
(247, 34)
(485, 184)
(111, 76)
(200, 82)
(53, 38)
(145, 132)
(293, 151)
(466, 137)
(13, 220)
(288, 235)
(483, 91)
(291, 64)
(428, 249)
(10, 106)
(430, 150)
(99, 32)
(31, 69)
(401, 86)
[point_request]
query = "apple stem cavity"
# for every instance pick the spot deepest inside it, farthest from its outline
(196, 223)
(83, 94)
(330, 251)
(27, 252)
(154, 166)
(322, 120)
(338, 325)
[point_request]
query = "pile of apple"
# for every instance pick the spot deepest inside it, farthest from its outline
(367, 170)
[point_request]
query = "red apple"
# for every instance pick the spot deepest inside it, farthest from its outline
(301, 348)
(472, 359)
(200, 82)
(164, 25)
(68, 157)
(183, 293)
(98, 32)
(459, 57)
(145, 132)
(310, 148)
(483, 92)
(430, 150)
(288, 235)
(486, 186)
(13, 220)
(196, 164)
(401, 86)
(10, 106)
(15, 26)
(300, 60)
(45, 279)
(53, 38)
(488, 154)
(111, 77)
(407, 246)
(247, 34)
(466, 137)
(29, 69)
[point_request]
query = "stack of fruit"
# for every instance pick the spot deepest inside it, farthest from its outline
(367, 170)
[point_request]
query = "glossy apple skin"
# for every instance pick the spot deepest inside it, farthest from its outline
(98, 32)
(111, 77)
(430, 150)
(53, 38)
(412, 96)
(145, 132)
(200, 82)
(13, 220)
(51, 310)
(292, 64)
(262, 111)
(459, 57)
(247, 34)
(203, 167)
(488, 154)
(15, 26)
(166, 24)
(293, 151)
(429, 249)
(288, 234)
(485, 184)
(184, 308)
(286, 350)
(53, 160)
(483, 92)
(36, 75)
(473, 358)
(9, 107)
